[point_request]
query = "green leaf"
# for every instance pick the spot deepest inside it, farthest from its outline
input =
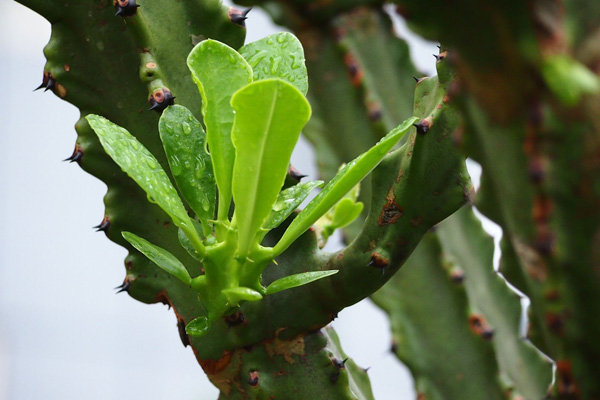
(198, 326)
(287, 201)
(569, 79)
(161, 257)
(278, 56)
(184, 141)
(296, 280)
(346, 211)
(145, 170)
(343, 182)
(269, 117)
(219, 71)
(237, 294)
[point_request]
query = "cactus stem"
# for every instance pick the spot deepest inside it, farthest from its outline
(104, 225)
(126, 8)
(76, 156)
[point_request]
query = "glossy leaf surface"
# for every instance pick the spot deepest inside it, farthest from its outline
(287, 201)
(144, 169)
(219, 71)
(237, 294)
(296, 280)
(160, 257)
(278, 56)
(343, 182)
(269, 116)
(184, 141)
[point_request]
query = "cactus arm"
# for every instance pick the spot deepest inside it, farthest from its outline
(443, 368)
(311, 366)
(470, 250)
(544, 205)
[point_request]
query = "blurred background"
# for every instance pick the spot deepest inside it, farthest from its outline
(64, 333)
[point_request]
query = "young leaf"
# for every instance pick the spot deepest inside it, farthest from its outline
(345, 179)
(346, 211)
(198, 326)
(184, 141)
(144, 169)
(237, 294)
(296, 280)
(160, 257)
(269, 117)
(287, 201)
(278, 56)
(219, 71)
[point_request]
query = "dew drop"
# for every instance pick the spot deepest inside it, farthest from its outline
(270, 41)
(281, 37)
(175, 164)
(187, 129)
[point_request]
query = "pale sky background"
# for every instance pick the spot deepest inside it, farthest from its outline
(64, 334)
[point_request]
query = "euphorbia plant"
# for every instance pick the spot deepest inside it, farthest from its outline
(254, 108)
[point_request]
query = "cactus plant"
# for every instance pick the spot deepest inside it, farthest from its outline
(517, 90)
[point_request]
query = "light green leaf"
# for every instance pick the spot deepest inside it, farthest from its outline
(198, 326)
(345, 179)
(219, 71)
(287, 201)
(278, 56)
(161, 257)
(269, 117)
(296, 280)
(237, 294)
(346, 211)
(184, 141)
(569, 79)
(144, 169)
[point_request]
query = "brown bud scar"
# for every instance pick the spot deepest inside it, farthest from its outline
(480, 327)
(253, 378)
(378, 261)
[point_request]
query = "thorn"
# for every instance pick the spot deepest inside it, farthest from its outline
(366, 370)
(436, 57)
(422, 127)
(104, 225)
(239, 17)
(439, 47)
(253, 379)
(416, 79)
(126, 8)
(124, 287)
(48, 82)
(339, 363)
(161, 99)
(295, 174)
(76, 156)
